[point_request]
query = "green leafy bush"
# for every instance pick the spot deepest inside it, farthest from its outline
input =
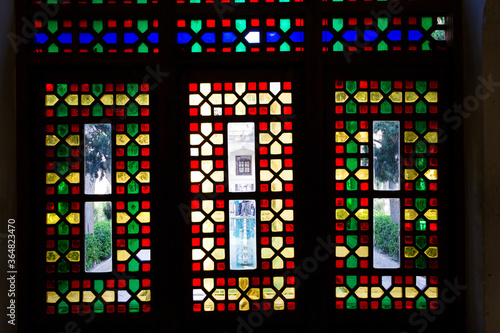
(98, 244)
(386, 235)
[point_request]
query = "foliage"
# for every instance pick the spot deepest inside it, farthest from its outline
(386, 153)
(97, 150)
(386, 235)
(98, 244)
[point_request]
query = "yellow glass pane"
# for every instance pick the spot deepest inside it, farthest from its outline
(121, 99)
(240, 110)
(362, 251)
(411, 292)
(286, 138)
(276, 165)
(268, 293)
(144, 217)
(431, 137)
(277, 242)
(362, 292)
(341, 214)
(122, 139)
(50, 100)
(341, 292)
(142, 99)
(143, 177)
(87, 99)
(376, 292)
(208, 284)
(410, 174)
(52, 256)
(362, 174)
(219, 254)
(253, 294)
(432, 292)
(233, 294)
(275, 108)
(340, 97)
(266, 175)
(195, 139)
(275, 128)
(206, 149)
(288, 252)
(361, 97)
(219, 294)
(73, 256)
(265, 138)
(88, 296)
(431, 214)
(196, 176)
(285, 98)
(276, 186)
(208, 243)
(250, 99)
(205, 88)
(52, 218)
(410, 214)
(51, 178)
(209, 305)
(265, 98)
(143, 139)
(410, 252)
(144, 295)
(432, 252)
(363, 214)
(122, 217)
(397, 292)
(218, 216)
(52, 297)
(72, 100)
(341, 137)
(51, 140)
(375, 97)
(276, 204)
(431, 174)
(122, 255)
(197, 216)
(240, 87)
(206, 109)
(73, 140)
(287, 175)
(289, 293)
(217, 176)
(279, 304)
(361, 136)
(396, 97)
(432, 97)
(73, 218)
(277, 226)
(197, 254)
(73, 296)
(243, 283)
(122, 177)
(73, 178)
(230, 99)
(341, 174)
(266, 253)
(216, 99)
(278, 282)
(107, 99)
(195, 99)
(207, 186)
(217, 139)
(410, 97)
(278, 263)
(341, 251)
(244, 305)
(287, 215)
(410, 137)
(208, 264)
(207, 166)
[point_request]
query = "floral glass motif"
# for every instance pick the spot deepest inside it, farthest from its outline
(254, 279)
(397, 286)
(68, 108)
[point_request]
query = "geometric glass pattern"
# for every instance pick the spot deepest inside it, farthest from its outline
(68, 110)
(359, 107)
(267, 110)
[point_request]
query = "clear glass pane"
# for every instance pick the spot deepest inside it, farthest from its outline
(98, 238)
(242, 238)
(241, 157)
(386, 159)
(97, 158)
(386, 220)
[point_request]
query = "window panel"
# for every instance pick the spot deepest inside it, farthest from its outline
(96, 2)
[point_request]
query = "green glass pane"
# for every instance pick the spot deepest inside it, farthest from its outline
(132, 110)
(133, 228)
(133, 187)
(351, 86)
(63, 188)
(143, 48)
(132, 89)
(386, 86)
(62, 130)
(285, 47)
(421, 262)
(351, 281)
(63, 267)
(421, 241)
(142, 25)
(351, 107)
(62, 89)
(53, 48)
(351, 303)
(62, 151)
(196, 25)
(421, 164)
(351, 262)
(421, 86)
(98, 48)
(240, 25)
(352, 241)
(386, 302)
(352, 204)
(133, 266)
(62, 111)
(62, 167)
(63, 229)
(99, 286)
(285, 24)
(426, 46)
(420, 147)
(421, 126)
(352, 184)
(352, 147)
(132, 167)
(352, 224)
(133, 207)
(383, 23)
(421, 107)
(133, 285)
(133, 307)
(132, 129)
(63, 208)
(421, 303)
(52, 26)
(196, 48)
(337, 24)
(426, 22)
(421, 204)
(352, 126)
(98, 307)
(97, 89)
(62, 286)
(62, 308)
(382, 46)
(338, 47)
(421, 225)
(98, 26)
(352, 164)
(97, 110)
(386, 107)
(62, 245)
(133, 244)
(132, 150)
(420, 184)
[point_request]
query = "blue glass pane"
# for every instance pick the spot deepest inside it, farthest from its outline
(414, 35)
(370, 35)
(394, 35)
(228, 37)
(65, 38)
(86, 38)
(153, 37)
(208, 37)
(130, 38)
(110, 38)
(327, 36)
(297, 36)
(350, 35)
(183, 37)
(272, 37)
(41, 38)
